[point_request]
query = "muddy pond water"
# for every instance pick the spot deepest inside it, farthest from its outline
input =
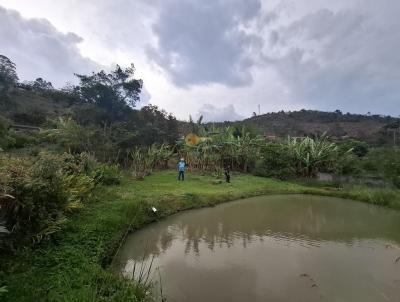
(272, 248)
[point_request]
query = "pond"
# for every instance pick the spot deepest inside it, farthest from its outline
(272, 248)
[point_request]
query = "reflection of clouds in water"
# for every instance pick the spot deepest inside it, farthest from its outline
(243, 287)
(266, 244)
(306, 220)
(139, 269)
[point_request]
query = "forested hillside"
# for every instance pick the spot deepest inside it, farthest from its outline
(97, 115)
(105, 102)
(80, 167)
(371, 128)
(374, 129)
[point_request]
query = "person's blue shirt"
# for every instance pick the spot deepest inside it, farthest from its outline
(181, 166)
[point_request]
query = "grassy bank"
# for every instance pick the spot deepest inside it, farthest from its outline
(72, 266)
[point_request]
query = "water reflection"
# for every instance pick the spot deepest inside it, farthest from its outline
(303, 219)
(277, 247)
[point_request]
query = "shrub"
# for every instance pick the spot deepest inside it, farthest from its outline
(391, 167)
(384, 162)
(107, 174)
(358, 148)
(78, 188)
(275, 162)
(36, 193)
(37, 198)
(6, 141)
(21, 140)
(348, 164)
(312, 155)
(383, 197)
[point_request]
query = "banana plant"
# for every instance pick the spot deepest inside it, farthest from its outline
(311, 155)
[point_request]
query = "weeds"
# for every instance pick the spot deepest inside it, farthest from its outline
(75, 268)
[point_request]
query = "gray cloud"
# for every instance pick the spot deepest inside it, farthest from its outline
(145, 98)
(40, 50)
(281, 54)
(211, 113)
(346, 59)
(201, 42)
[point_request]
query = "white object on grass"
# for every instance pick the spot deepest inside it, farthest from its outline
(154, 209)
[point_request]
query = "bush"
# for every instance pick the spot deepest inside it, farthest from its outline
(36, 199)
(21, 140)
(36, 193)
(358, 148)
(391, 167)
(107, 174)
(382, 197)
(313, 155)
(384, 162)
(348, 164)
(275, 162)
(6, 141)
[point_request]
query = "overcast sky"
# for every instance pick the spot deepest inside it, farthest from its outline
(219, 58)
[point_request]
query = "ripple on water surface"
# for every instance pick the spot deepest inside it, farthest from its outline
(273, 248)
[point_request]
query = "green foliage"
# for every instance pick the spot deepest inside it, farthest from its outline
(358, 148)
(8, 75)
(111, 143)
(384, 162)
(312, 155)
(246, 152)
(348, 164)
(36, 193)
(113, 91)
(155, 126)
(23, 139)
(70, 135)
(39, 85)
(3, 290)
(222, 146)
(275, 161)
(143, 161)
(6, 141)
(107, 174)
(96, 116)
(71, 267)
(37, 197)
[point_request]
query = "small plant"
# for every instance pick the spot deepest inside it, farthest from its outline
(107, 174)
(141, 163)
(3, 290)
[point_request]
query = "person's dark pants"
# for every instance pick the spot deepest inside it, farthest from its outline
(181, 175)
(227, 177)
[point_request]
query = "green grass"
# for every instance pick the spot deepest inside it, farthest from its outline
(73, 265)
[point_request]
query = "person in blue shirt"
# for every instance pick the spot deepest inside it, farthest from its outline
(181, 169)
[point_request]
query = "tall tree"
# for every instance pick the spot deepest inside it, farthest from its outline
(8, 74)
(114, 91)
(41, 85)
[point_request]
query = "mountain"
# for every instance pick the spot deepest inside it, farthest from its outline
(33, 109)
(375, 129)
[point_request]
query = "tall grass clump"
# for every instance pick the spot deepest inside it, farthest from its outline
(37, 193)
(143, 161)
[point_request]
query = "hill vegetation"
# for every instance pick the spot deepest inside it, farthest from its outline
(377, 130)
(62, 151)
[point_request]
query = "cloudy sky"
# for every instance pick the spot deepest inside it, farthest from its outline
(219, 58)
